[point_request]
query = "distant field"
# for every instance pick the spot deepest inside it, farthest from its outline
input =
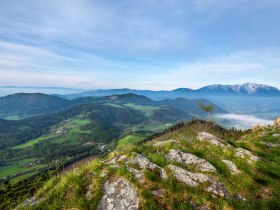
(72, 127)
(9, 170)
(22, 177)
(29, 143)
(15, 167)
(129, 139)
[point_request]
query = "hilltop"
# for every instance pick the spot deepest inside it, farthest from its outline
(193, 165)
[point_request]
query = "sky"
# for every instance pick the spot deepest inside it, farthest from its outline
(143, 44)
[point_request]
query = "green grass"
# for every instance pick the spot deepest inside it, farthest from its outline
(23, 177)
(12, 169)
(129, 139)
(9, 170)
(72, 127)
(29, 143)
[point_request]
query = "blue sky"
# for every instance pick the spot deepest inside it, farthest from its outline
(143, 44)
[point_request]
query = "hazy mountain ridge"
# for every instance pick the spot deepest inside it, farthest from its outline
(247, 89)
(24, 105)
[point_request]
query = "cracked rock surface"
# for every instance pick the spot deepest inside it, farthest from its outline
(232, 167)
(243, 153)
(144, 163)
(207, 137)
(119, 195)
(190, 159)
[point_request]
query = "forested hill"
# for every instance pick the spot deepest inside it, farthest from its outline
(23, 105)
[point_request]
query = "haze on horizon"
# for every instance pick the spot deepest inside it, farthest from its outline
(146, 44)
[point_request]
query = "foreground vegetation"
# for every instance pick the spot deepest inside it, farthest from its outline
(255, 186)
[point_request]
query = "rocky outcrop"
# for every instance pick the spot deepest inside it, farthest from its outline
(243, 153)
(89, 193)
(232, 167)
(218, 188)
(182, 176)
(144, 163)
(190, 159)
(117, 159)
(270, 144)
(195, 179)
(139, 176)
(32, 201)
(161, 143)
(207, 137)
(119, 195)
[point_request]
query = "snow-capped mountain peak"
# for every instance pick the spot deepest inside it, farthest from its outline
(243, 89)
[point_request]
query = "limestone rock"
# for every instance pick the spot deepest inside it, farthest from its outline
(144, 163)
(243, 153)
(217, 188)
(88, 193)
(117, 159)
(195, 179)
(139, 176)
(158, 193)
(232, 167)
(190, 159)
(119, 195)
(32, 201)
(207, 137)
(269, 144)
(182, 176)
(161, 143)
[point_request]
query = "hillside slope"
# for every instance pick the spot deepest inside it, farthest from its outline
(195, 165)
(23, 105)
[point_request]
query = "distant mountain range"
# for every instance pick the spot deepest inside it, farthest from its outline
(247, 89)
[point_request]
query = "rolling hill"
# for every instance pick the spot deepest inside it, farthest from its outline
(23, 105)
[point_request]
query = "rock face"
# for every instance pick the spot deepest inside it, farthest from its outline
(232, 167)
(144, 163)
(32, 201)
(190, 159)
(182, 176)
(195, 179)
(217, 188)
(161, 143)
(139, 176)
(207, 137)
(119, 195)
(269, 144)
(243, 153)
(88, 193)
